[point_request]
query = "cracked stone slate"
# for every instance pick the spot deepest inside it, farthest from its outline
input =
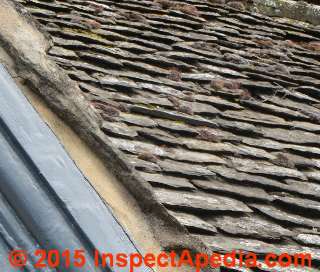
(191, 202)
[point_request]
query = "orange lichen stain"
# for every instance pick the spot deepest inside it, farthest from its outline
(175, 74)
(96, 8)
(188, 9)
(147, 156)
(315, 46)
(207, 135)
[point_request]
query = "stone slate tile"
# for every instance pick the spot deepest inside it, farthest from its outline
(82, 76)
(248, 179)
(118, 82)
(71, 44)
(166, 114)
(159, 89)
(210, 147)
(113, 51)
(176, 127)
(169, 40)
(222, 71)
(304, 150)
(193, 222)
(248, 151)
(168, 181)
(186, 169)
(137, 120)
(195, 202)
(158, 45)
(256, 118)
(309, 90)
(158, 135)
(218, 102)
(308, 239)
(224, 245)
(118, 129)
(233, 189)
(143, 165)
(305, 126)
(285, 217)
(175, 20)
(166, 62)
(61, 52)
(238, 127)
(266, 168)
(196, 157)
(264, 143)
(137, 147)
(50, 6)
(304, 188)
(276, 110)
(301, 203)
(292, 136)
(264, 267)
(313, 176)
(103, 60)
(182, 56)
(250, 226)
(42, 12)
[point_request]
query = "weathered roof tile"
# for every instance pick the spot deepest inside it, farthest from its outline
(193, 202)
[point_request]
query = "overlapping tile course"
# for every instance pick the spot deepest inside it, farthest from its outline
(219, 109)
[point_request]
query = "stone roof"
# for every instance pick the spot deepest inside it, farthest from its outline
(217, 108)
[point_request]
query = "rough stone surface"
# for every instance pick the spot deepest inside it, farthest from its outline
(204, 107)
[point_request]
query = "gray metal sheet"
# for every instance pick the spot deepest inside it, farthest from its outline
(55, 203)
